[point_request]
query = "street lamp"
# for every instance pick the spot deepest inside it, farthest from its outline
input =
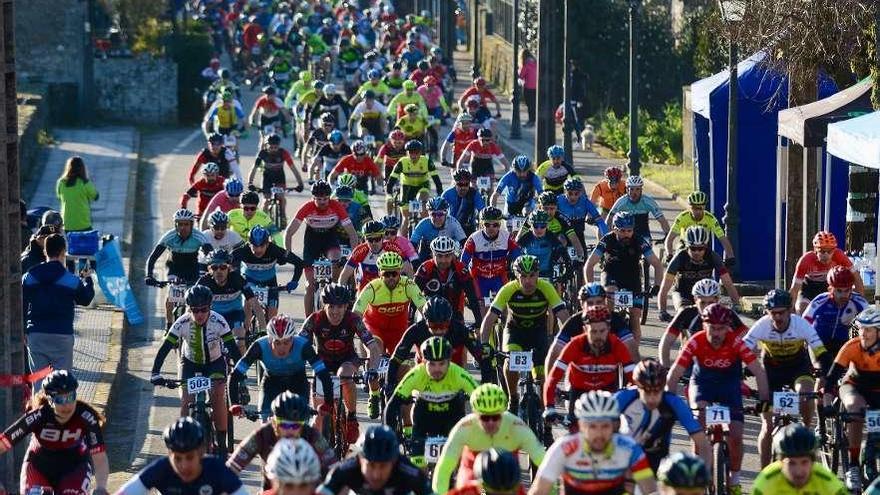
(633, 165)
(567, 117)
(514, 99)
(732, 12)
(475, 69)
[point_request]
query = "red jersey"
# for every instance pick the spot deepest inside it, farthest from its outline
(810, 269)
(485, 95)
(269, 104)
(205, 190)
(587, 371)
(389, 155)
(460, 139)
(481, 151)
(323, 220)
(419, 76)
(80, 435)
(363, 167)
(365, 259)
(725, 362)
(249, 35)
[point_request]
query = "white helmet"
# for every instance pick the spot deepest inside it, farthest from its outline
(706, 288)
(696, 235)
(280, 327)
(211, 168)
(329, 89)
(293, 461)
(183, 215)
(597, 405)
(869, 317)
(634, 181)
(443, 245)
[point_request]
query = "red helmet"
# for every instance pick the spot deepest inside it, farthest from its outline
(431, 81)
(595, 314)
(840, 277)
(613, 173)
(717, 314)
(480, 81)
(215, 63)
(824, 240)
(397, 135)
(280, 327)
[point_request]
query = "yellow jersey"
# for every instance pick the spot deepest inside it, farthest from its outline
(771, 481)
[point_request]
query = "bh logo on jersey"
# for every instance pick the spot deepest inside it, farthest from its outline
(56, 435)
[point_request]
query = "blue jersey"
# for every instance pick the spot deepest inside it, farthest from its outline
(519, 192)
(584, 208)
(641, 209)
(184, 253)
(653, 429)
(215, 479)
(831, 322)
(292, 364)
(261, 270)
(355, 212)
(465, 209)
(425, 231)
(547, 249)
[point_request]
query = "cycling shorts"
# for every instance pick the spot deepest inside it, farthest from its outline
(274, 385)
(70, 475)
(335, 363)
(320, 243)
(785, 374)
(235, 319)
(481, 167)
(371, 126)
(273, 178)
(871, 397)
(215, 369)
(273, 298)
(727, 392)
(527, 339)
(486, 286)
(427, 423)
(264, 120)
(409, 193)
(436, 112)
(389, 335)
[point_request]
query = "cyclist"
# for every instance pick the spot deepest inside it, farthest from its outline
(488, 426)
(186, 469)
(444, 276)
(378, 467)
(621, 252)
(184, 243)
(414, 172)
(272, 158)
(374, 85)
(205, 188)
(438, 224)
(812, 268)
(496, 472)
(409, 96)
(696, 262)
(520, 185)
(607, 191)
(227, 199)
(796, 469)
(217, 153)
(697, 215)
(718, 355)
(480, 155)
(242, 220)
(555, 171)
(573, 204)
(321, 215)
(683, 473)
(487, 253)
(363, 256)
(68, 442)
(465, 202)
(437, 384)
(356, 212)
(201, 335)
(552, 256)
(228, 289)
(392, 226)
(413, 124)
(289, 421)
(611, 456)
(270, 108)
(832, 312)
(219, 235)
(370, 116)
(858, 363)
(359, 164)
(293, 468)
(558, 225)
(316, 140)
(257, 261)
(391, 152)
(332, 331)
(480, 90)
(329, 155)
(648, 414)
(529, 300)
(457, 140)
(640, 207)
(224, 116)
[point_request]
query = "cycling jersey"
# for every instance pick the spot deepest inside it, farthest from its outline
(184, 253)
(434, 100)
(242, 226)
(401, 100)
(223, 202)
(273, 163)
(80, 436)
(406, 247)
(574, 326)
(483, 156)
(361, 167)
(388, 156)
(832, 322)
(453, 284)
(582, 209)
(621, 260)
(215, 478)
(329, 156)
(554, 176)
(687, 271)
(582, 471)
(686, 219)
(458, 335)
(771, 481)
(199, 344)
(228, 242)
(368, 116)
(437, 392)
(652, 429)
(460, 138)
(641, 209)
(604, 196)
(261, 441)
(227, 298)
(225, 116)
(405, 479)
(380, 89)
(552, 255)
(414, 174)
(335, 344)
(261, 270)
(465, 208)
(519, 193)
(425, 231)
(364, 259)
(862, 367)
(322, 220)
(587, 371)
(225, 158)
(559, 225)
(527, 310)
(413, 128)
(810, 272)
(484, 94)
(488, 259)
(204, 189)
(385, 310)
(717, 373)
(783, 348)
(688, 322)
(269, 104)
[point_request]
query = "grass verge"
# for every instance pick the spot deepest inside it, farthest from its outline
(677, 179)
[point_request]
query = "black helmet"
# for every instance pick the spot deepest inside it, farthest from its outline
(437, 310)
(373, 227)
(218, 257)
(184, 435)
(199, 296)
(290, 406)
(795, 440)
(336, 294)
(250, 198)
(379, 444)
(321, 188)
(216, 138)
(484, 133)
(59, 382)
(777, 298)
(462, 174)
(650, 374)
(269, 90)
(413, 145)
(491, 214)
(223, 73)
(547, 198)
(391, 222)
(436, 349)
(497, 470)
(273, 139)
(369, 94)
(683, 470)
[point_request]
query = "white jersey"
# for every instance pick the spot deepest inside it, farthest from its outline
(788, 346)
(228, 242)
(200, 345)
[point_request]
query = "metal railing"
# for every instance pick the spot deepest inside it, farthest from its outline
(502, 18)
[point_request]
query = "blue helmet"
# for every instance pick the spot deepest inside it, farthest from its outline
(624, 220)
(555, 151)
(593, 289)
(374, 74)
(233, 186)
(437, 204)
(391, 222)
(335, 137)
(258, 236)
(522, 162)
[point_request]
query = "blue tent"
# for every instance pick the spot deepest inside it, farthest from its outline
(761, 95)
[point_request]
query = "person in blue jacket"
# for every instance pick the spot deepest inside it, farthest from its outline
(574, 204)
(521, 186)
(465, 203)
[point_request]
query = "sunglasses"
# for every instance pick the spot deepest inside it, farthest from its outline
(288, 425)
(377, 238)
(824, 251)
(199, 310)
(219, 267)
(390, 233)
(438, 213)
(438, 326)
(390, 274)
(249, 208)
(492, 224)
(462, 184)
(62, 399)
(490, 418)
(321, 198)
(219, 227)
(539, 225)
(696, 248)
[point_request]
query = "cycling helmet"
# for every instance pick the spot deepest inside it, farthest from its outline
(397, 135)
(480, 81)
(233, 187)
(595, 314)
(413, 145)
(464, 117)
(227, 96)
(698, 198)
(539, 217)
(291, 407)
(795, 440)
(573, 184)
(462, 175)
(391, 222)
(522, 163)
(293, 460)
(335, 137)
(490, 214)
(184, 435)
(706, 287)
(437, 310)
(216, 138)
(184, 215)
(634, 181)
(840, 277)
(547, 198)
(346, 179)
(210, 168)
(52, 217)
(437, 203)
(497, 470)
(269, 90)
(319, 86)
(824, 240)
(650, 374)
(555, 151)
(250, 198)
(489, 398)
(329, 89)
(224, 74)
(372, 227)
(258, 236)
(869, 317)
(696, 235)
(717, 314)
(321, 188)
(436, 349)
(369, 94)
(777, 298)
(409, 84)
(280, 327)
(374, 74)
(389, 261)
(431, 81)
(423, 65)
(273, 139)
(526, 263)
(199, 296)
(443, 245)
(335, 294)
(613, 174)
(411, 108)
(378, 443)
(484, 133)
(359, 148)
(218, 257)
(327, 117)
(683, 470)
(592, 289)
(344, 193)
(60, 382)
(596, 405)
(624, 220)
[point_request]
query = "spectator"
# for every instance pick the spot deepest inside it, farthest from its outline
(528, 79)
(49, 294)
(35, 253)
(76, 194)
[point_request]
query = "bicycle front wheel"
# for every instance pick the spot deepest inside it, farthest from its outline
(720, 469)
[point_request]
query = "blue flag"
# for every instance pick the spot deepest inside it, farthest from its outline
(114, 282)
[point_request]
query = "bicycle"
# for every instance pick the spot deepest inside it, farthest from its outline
(529, 408)
(276, 206)
(176, 296)
(336, 430)
(258, 319)
(201, 410)
(834, 440)
(717, 420)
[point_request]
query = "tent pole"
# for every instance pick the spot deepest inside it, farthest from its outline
(818, 152)
(877, 255)
(827, 220)
(804, 193)
(778, 237)
(712, 172)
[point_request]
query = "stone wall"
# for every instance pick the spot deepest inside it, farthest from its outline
(50, 41)
(33, 117)
(496, 63)
(141, 90)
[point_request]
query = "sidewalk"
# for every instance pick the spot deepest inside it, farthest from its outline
(110, 155)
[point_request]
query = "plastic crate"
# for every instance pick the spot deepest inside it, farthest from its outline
(83, 243)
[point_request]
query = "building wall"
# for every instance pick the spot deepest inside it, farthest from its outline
(139, 90)
(50, 40)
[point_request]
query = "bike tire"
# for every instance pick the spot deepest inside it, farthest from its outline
(720, 469)
(340, 432)
(841, 446)
(201, 416)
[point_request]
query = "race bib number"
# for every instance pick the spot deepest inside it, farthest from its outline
(572, 253)
(786, 403)
(277, 191)
(262, 294)
(369, 140)
(483, 183)
(433, 446)
(382, 368)
(415, 205)
(177, 293)
(323, 270)
(487, 300)
(516, 223)
(269, 129)
(557, 272)
(345, 252)
(197, 384)
(623, 299)
(521, 361)
(872, 420)
(717, 415)
(230, 141)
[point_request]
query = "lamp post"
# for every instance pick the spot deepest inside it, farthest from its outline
(633, 165)
(732, 12)
(514, 98)
(475, 69)
(567, 117)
